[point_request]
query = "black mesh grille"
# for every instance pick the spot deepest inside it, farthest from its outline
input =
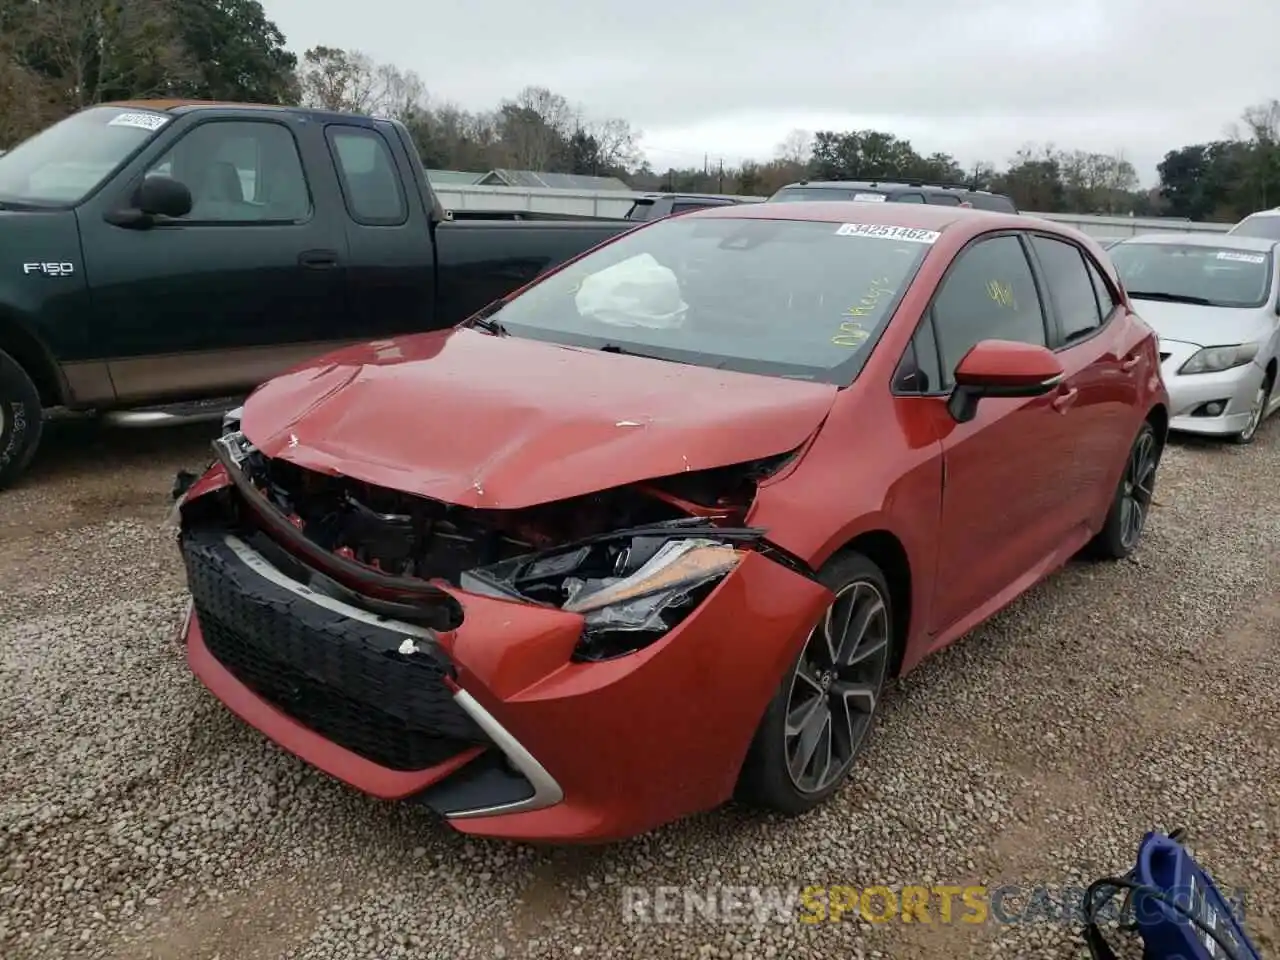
(341, 677)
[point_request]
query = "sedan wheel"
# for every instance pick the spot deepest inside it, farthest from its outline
(1259, 407)
(820, 715)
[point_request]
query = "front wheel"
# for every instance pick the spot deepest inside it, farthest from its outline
(813, 729)
(1256, 412)
(21, 419)
(1131, 505)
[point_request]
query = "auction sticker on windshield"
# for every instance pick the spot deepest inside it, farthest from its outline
(870, 197)
(1242, 257)
(883, 232)
(143, 121)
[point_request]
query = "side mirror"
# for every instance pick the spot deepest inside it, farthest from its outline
(159, 196)
(1002, 368)
(156, 196)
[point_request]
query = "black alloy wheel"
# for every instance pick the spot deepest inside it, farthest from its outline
(1138, 489)
(835, 687)
(815, 726)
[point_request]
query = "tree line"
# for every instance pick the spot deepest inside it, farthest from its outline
(59, 56)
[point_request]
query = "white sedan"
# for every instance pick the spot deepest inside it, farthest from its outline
(1212, 300)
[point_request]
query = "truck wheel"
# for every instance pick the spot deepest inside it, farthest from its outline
(21, 419)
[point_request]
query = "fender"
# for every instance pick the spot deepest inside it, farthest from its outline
(19, 340)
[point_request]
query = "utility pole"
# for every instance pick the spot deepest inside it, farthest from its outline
(722, 174)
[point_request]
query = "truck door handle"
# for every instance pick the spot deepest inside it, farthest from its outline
(318, 259)
(1065, 399)
(1130, 362)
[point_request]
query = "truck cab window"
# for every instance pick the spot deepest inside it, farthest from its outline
(239, 171)
(370, 184)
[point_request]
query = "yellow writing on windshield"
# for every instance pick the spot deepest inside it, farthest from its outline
(1002, 293)
(851, 335)
(851, 332)
(876, 292)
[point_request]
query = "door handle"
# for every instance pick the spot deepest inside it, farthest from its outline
(1130, 363)
(318, 259)
(1065, 399)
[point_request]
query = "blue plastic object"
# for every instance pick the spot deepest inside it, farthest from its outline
(1168, 934)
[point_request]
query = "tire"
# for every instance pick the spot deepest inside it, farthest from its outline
(1257, 412)
(21, 420)
(1119, 537)
(768, 779)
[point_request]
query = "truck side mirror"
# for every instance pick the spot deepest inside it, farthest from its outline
(156, 196)
(160, 196)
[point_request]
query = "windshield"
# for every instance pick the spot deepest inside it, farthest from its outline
(789, 194)
(1216, 276)
(64, 163)
(1266, 226)
(785, 298)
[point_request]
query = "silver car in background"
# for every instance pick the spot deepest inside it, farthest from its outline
(1212, 300)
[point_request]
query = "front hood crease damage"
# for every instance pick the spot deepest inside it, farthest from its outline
(495, 422)
(633, 561)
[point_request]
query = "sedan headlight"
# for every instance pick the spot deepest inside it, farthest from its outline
(1217, 359)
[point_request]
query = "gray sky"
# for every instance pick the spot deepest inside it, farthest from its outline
(730, 78)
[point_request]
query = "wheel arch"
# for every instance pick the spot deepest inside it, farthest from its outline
(886, 551)
(34, 358)
(1158, 417)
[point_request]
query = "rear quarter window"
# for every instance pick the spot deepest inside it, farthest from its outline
(996, 204)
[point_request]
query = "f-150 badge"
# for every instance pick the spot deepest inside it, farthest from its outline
(50, 269)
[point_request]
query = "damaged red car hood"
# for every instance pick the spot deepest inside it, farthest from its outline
(501, 422)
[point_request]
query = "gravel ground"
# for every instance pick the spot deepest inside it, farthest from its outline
(138, 818)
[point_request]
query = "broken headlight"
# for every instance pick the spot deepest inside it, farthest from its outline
(637, 601)
(629, 590)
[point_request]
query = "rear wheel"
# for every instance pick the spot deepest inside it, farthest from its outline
(1127, 518)
(813, 729)
(1257, 411)
(21, 419)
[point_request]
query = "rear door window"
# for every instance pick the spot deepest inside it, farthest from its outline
(1070, 287)
(371, 186)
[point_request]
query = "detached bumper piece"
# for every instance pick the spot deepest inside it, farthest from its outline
(378, 690)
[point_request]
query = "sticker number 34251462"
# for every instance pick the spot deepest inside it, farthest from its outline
(882, 231)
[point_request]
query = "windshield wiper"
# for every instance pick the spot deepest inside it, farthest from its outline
(1170, 297)
(628, 352)
(482, 319)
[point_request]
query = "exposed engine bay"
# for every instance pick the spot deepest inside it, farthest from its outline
(632, 560)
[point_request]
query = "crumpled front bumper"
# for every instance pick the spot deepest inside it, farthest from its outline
(571, 751)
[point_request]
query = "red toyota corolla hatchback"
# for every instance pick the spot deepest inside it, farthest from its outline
(655, 530)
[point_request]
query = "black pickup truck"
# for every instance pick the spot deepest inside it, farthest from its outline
(159, 259)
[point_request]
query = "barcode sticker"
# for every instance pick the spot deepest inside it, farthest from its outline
(882, 231)
(143, 121)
